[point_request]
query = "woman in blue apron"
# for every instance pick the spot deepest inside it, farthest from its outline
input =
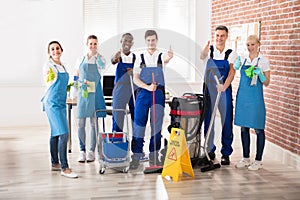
(54, 103)
(250, 109)
(90, 97)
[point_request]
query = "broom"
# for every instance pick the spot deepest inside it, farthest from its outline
(155, 168)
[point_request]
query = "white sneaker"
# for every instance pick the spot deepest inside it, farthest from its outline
(243, 163)
(90, 156)
(81, 157)
(68, 173)
(256, 165)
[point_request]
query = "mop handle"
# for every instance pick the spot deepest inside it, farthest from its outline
(132, 89)
(154, 117)
(154, 102)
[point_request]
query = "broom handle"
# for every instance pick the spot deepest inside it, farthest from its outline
(132, 89)
(154, 117)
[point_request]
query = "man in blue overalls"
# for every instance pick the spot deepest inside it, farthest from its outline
(149, 77)
(219, 60)
(123, 89)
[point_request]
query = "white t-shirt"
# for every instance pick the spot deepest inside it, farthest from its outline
(263, 62)
(127, 59)
(150, 61)
(221, 55)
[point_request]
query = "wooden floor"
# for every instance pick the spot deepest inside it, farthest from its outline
(25, 174)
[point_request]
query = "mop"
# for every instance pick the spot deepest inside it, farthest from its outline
(211, 165)
(155, 168)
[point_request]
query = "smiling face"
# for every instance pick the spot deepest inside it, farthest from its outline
(55, 51)
(252, 46)
(92, 45)
(127, 42)
(221, 37)
(151, 42)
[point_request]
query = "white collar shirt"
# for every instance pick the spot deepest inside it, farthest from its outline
(127, 58)
(221, 55)
(263, 62)
(150, 60)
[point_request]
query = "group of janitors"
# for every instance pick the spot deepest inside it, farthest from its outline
(140, 84)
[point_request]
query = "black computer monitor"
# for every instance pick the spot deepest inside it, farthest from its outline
(108, 85)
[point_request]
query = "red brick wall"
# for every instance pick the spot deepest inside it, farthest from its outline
(280, 42)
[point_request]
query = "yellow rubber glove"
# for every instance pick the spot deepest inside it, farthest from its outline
(51, 75)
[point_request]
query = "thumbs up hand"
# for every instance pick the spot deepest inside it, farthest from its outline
(204, 52)
(170, 52)
(169, 55)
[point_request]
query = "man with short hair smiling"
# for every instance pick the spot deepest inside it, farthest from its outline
(219, 59)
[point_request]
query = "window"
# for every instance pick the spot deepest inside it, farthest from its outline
(174, 21)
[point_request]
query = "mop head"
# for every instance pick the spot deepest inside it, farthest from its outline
(210, 167)
(153, 169)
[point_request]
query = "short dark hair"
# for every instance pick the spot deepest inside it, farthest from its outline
(54, 42)
(91, 37)
(222, 28)
(127, 34)
(150, 33)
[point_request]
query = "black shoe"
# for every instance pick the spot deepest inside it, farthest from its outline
(212, 155)
(134, 164)
(204, 160)
(225, 160)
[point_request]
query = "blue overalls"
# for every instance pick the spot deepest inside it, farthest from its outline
(88, 105)
(250, 108)
(54, 103)
(144, 102)
(250, 112)
(122, 94)
(221, 69)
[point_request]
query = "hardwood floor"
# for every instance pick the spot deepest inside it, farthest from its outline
(25, 174)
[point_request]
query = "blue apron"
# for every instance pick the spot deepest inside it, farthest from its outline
(95, 100)
(250, 108)
(54, 103)
(122, 94)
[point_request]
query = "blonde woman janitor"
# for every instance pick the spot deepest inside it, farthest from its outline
(54, 103)
(250, 109)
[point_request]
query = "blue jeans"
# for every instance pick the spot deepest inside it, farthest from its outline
(58, 148)
(260, 142)
(82, 133)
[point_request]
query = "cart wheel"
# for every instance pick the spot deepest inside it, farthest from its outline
(102, 170)
(125, 170)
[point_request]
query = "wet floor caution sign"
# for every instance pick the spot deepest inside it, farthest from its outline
(177, 159)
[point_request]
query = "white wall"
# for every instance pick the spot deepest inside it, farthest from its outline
(27, 26)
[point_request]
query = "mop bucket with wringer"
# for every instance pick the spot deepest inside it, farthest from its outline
(187, 114)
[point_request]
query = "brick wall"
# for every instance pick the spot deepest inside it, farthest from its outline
(280, 42)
